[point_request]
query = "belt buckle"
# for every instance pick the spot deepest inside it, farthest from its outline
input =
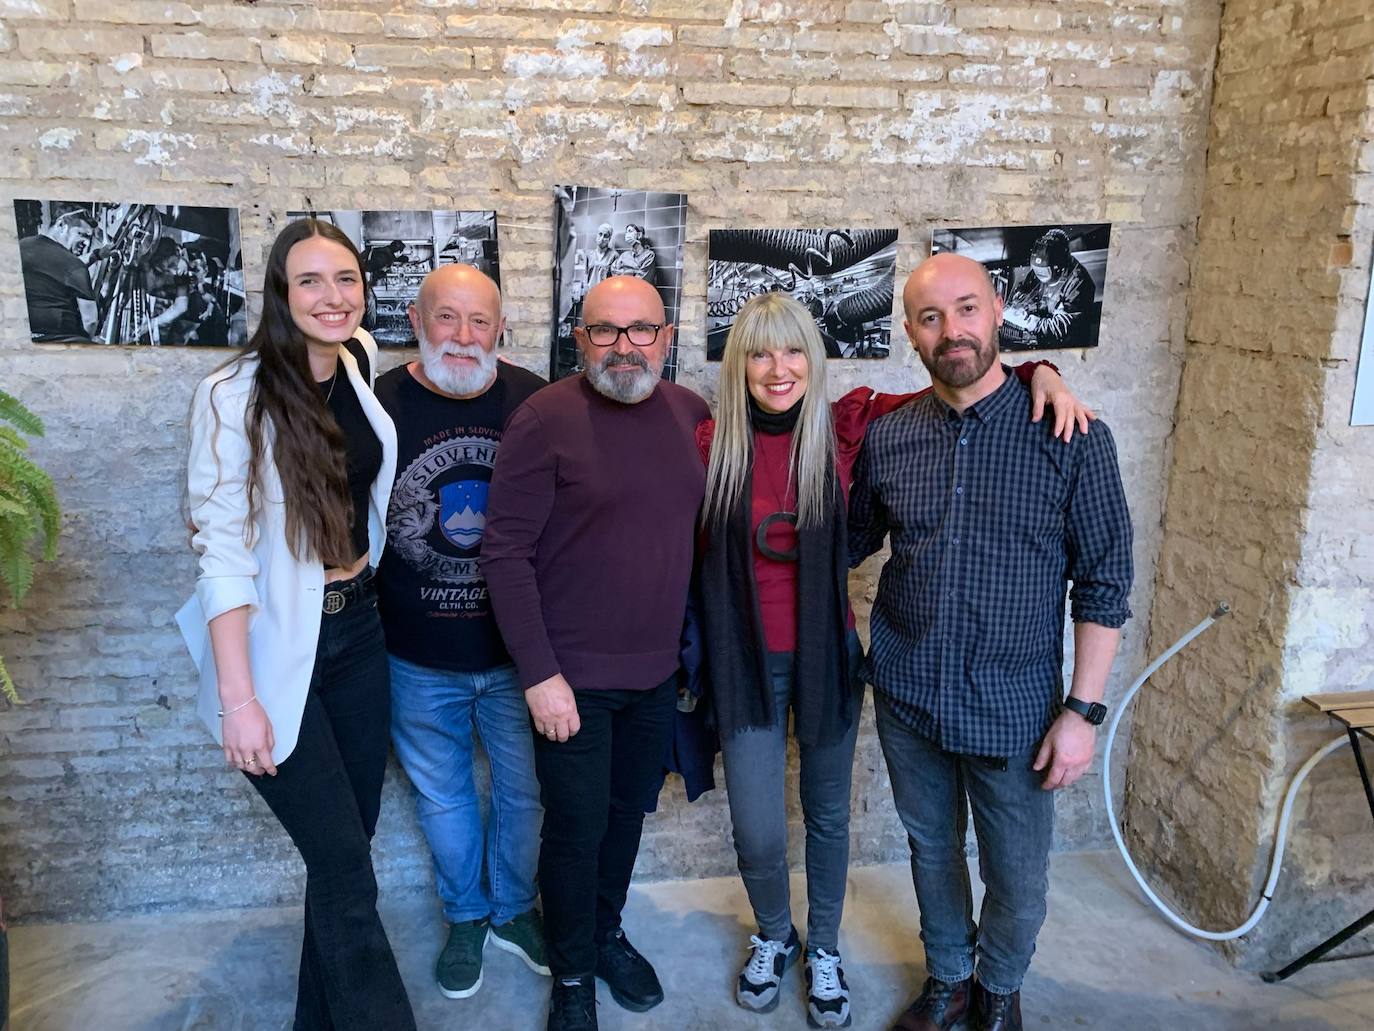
(334, 602)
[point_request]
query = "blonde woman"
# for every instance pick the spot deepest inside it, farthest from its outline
(779, 631)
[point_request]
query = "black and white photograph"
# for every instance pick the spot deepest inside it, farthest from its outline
(124, 273)
(1051, 279)
(608, 232)
(844, 276)
(400, 248)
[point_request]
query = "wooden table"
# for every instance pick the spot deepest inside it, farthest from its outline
(1354, 710)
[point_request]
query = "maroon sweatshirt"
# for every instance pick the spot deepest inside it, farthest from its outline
(591, 518)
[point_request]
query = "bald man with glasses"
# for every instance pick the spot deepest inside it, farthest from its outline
(588, 555)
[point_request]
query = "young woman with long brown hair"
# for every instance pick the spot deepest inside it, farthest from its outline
(291, 464)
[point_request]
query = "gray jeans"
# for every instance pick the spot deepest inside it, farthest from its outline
(1013, 818)
(756, 779)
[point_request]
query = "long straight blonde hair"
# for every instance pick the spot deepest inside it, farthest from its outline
(771, 322)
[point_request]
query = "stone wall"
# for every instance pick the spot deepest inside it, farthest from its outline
(1270, 496)
(767, 113)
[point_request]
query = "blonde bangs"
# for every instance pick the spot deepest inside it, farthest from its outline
(768, 323)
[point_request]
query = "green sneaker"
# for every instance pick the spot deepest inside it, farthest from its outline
(459, 967)
(523, 936)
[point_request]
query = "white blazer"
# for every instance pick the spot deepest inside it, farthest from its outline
(251, 565)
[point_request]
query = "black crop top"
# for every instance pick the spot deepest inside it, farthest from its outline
(362, 449)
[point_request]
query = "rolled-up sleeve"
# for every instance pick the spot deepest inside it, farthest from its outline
(1099, 535)
(217, 495)
(519, 503)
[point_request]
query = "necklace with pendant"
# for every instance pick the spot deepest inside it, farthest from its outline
(782, 515)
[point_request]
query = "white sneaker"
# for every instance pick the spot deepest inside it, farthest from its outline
(761, 977)
(827, 992)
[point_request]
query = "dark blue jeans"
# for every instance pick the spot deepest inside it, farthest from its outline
(327, 794)
(756, 780)
(596, 787)
(1013, 818)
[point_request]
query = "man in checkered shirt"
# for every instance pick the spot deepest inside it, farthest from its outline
(989, 516)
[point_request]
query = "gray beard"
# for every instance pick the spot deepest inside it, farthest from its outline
(457, 381)
(626, 389)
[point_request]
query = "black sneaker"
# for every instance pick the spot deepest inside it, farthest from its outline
(572, 1006)
(761, 979)
(627, 974)
(827, 992)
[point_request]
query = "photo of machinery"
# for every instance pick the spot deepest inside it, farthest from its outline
(844, 276)
(125, 273)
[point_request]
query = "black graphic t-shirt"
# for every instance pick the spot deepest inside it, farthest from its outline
(432, 597)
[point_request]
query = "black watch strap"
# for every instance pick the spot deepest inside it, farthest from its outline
(1093, 712)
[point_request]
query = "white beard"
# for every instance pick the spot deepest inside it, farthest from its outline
(462, 381)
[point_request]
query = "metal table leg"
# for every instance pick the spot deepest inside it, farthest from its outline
(1359, 925)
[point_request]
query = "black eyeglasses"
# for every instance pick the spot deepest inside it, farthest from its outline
(641, 334)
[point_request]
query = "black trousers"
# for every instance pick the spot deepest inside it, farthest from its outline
(595, 787)
(327, 794)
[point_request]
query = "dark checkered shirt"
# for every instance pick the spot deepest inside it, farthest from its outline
(989, 516)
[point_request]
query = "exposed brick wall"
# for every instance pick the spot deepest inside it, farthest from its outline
(1270, 498)
(766, 113)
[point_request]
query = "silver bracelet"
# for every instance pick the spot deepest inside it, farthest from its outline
(242, 705)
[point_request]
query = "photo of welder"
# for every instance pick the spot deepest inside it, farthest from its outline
(119, 273)
(1051, 279)
(400, 248)
(607, 232)
(843, 276)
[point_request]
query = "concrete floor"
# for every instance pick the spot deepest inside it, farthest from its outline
(1104, 961)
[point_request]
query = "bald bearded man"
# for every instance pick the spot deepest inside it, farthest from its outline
(989, 516)
(588, 553)
(450, 671)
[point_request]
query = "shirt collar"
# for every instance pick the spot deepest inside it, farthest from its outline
(985, 409)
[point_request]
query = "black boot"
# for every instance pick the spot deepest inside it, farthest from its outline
(942, 1006)
(995, 1012)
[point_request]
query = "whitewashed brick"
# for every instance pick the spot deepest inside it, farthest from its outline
(197, 46)
(137, 12)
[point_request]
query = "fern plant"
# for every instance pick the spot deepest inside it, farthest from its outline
(28, 507)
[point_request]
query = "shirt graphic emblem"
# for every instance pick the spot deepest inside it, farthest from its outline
(441, 489)
(463, 512)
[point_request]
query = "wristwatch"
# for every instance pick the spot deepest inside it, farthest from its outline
(1093, 712)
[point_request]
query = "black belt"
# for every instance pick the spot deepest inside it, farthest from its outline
(342, 593)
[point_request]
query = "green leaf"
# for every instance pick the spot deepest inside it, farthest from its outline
(7, 687)
(13, 412)
(10, 438)
(16, 570)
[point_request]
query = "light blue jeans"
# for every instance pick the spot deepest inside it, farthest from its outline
(481, 871)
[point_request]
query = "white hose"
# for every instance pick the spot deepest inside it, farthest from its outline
(1281, 835)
